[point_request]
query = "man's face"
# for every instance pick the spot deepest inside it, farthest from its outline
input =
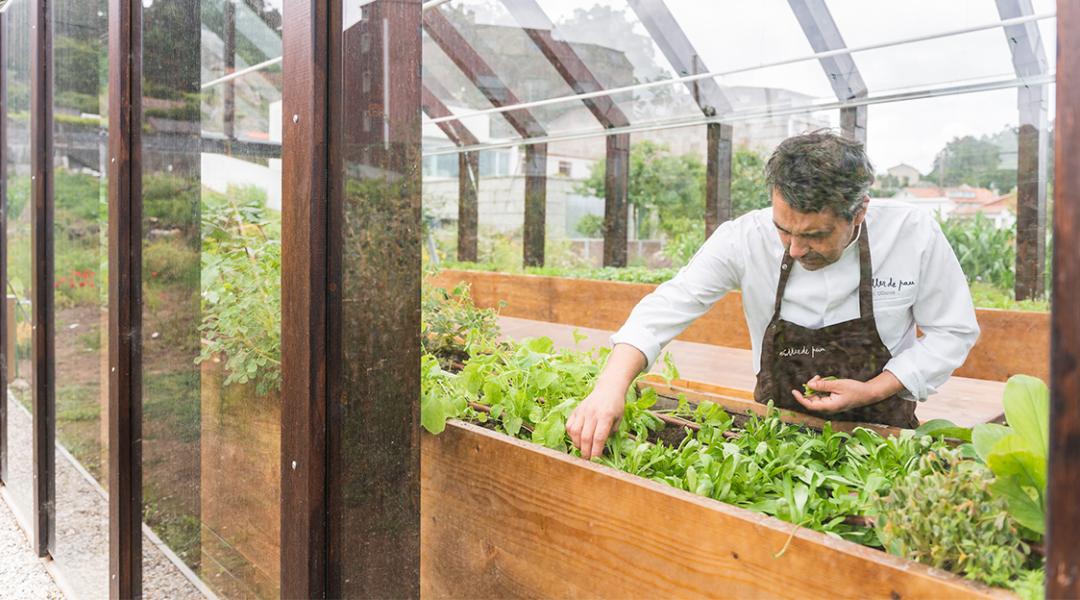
(815, 239)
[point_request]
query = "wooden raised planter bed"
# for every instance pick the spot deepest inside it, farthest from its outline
(1011, 342)
(503, 518)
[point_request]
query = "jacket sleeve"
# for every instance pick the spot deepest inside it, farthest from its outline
(715, 269)
(945, 313)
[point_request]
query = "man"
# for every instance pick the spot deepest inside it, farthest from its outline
(833, 285)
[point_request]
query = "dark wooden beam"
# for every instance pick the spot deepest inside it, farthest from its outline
(1063, 515)
(304, 298)
(1031, 211)
(1029, 60)
(565, 60)
(41, 191)
(228, 92)
(434, 108)
(853, 122)
(580, 78)
(374, 301)
(821, 31)
(468, 166)
(533, 234)
(6, 328)
(468, 205)
(125, 299)
(616, 176)
(718, 177)
(680, 52)
(469, 60)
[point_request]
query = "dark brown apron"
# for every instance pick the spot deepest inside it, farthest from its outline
(791, 354)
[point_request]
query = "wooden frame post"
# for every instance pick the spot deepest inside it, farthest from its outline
(1063, 514)
(533, 235)
(41, 192)
(468, 205)
(616, 207)
(676, 46)
(304, 551)
(468, 57)
(1029, 60)
(468, 166)
(125, 299)
(718, 206)
(228, 92)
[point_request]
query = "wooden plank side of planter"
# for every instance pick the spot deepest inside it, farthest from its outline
(1011, 342)
(503, 518)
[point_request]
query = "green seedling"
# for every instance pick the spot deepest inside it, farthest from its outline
(809, 391)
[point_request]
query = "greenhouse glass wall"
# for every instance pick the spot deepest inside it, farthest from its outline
(301, 296)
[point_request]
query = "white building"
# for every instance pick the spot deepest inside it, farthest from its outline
(905, 174)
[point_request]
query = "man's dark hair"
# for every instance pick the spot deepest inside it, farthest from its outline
(820, 170)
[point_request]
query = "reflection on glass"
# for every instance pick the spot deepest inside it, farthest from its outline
(957, 157)
(80, 67)
(211, 294)
(16, 70)
(374, 499)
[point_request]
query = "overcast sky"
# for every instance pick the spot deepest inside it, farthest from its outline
(732, 34)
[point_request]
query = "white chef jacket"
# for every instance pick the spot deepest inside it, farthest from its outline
(916, 281)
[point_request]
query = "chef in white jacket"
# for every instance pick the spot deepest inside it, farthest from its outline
(833, 285)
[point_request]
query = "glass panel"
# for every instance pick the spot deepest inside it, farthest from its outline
(374, 499)
(957, 156)
(211, 296)
(968, 58)
(80, 200)
(860, 25)
(16, 37)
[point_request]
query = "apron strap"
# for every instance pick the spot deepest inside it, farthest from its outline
(785, 270)
(866, 295)
(866, 281)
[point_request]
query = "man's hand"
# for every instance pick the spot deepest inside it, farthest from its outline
(591, 422)
(838, 395)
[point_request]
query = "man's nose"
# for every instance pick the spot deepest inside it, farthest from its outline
(798, 249)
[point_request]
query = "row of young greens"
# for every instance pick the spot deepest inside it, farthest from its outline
(980, 515)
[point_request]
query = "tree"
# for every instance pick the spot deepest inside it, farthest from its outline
(972, 161)
(670, 187)
(748, 190)
(673, 187)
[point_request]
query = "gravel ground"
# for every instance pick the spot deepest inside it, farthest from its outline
(22, 574)
(82, 537)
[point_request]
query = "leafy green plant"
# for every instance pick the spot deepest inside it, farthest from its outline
(451, 325)
(986, 253)
(944, 515)
(1017, 453)
(241, 288)
(591, 226)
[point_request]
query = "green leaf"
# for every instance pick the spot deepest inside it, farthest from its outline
(985, 435)
(670, 372)
(512, 425)
(540, 345)
(433, 413)
(1011, 457)
(1026, 510)
(578, 336)
(944, 428)
(1027, 409)
(545, 378)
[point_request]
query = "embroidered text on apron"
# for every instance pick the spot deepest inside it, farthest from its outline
(791, 354)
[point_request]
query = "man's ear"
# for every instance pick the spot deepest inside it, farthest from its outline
(861, 215)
